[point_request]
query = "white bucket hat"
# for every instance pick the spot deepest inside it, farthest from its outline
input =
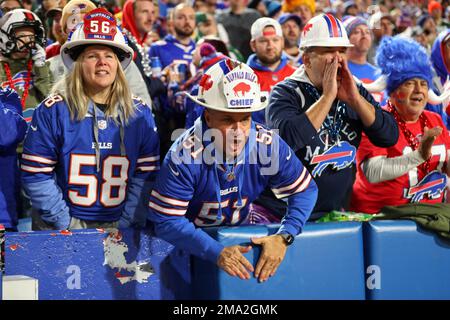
(98, 28)
(324, 31)
(230, 86)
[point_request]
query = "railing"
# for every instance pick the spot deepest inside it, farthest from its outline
(345, 260)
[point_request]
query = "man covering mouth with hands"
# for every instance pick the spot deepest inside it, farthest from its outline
(322, 112)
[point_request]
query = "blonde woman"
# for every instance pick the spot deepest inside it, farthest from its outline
(92, 151)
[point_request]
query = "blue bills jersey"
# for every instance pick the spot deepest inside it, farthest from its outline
(58, 147)
(194, 186)
(170, 49)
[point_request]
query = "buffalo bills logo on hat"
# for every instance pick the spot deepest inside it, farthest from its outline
(205, 83)
(339, 156)
(99, 24)
(239, 87)
(242, 88)
(307, 28)
(432, 185)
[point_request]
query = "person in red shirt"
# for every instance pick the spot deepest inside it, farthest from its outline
(415, 169)
(268, 62)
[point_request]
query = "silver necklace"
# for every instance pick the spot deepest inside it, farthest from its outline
(145, 59)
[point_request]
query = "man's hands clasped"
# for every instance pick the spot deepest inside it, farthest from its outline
(233, 262)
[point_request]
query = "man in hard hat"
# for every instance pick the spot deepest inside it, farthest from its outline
(321, 112)
(218, 167)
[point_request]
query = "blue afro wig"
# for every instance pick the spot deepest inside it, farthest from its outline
(401, 59)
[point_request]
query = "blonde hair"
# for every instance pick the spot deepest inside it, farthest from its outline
(73, 89)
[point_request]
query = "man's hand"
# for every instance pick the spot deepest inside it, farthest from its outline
(38, 56)
(347, 91)
(234, 263)
(429, 135)
(273, 252)
(329, 82)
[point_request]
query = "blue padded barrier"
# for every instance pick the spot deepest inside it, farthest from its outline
(2, 239)
(406, 262)
(325, 262)
(96, 264)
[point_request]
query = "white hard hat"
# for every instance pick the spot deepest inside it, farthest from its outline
(98, 28)
(230, 86)
(324, 31)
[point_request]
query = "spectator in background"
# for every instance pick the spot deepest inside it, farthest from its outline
(44, 7)
(447, 17)
(291, 24)
(237, 20)
(137, 21)
(112, 6)
(417, 34)
(259, 6)
(428, 25)
(273, 8)
(180, 45)
(415, 168)
(175, 54)
(403, 22)
(200, 6)
(8, 5)
(71, 15)
(321, 113)
(207, 6)
(337, 9)
(12, 133)
(350, 8)
(22, 65)
(55, 31)
(28, 4)
(381, 24)
(207, 27)
(360, 37)
(305, 9)
(268, 61)
(440, 58)
(435, 11)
